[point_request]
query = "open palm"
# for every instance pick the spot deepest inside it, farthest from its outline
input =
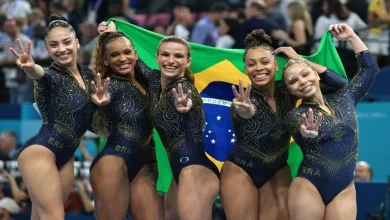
(24, 59)
(183, 101)
(100, 94)
(309, 127)
(242, 101)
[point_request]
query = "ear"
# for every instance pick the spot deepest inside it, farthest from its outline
(276, 64)
(105, 60)
(135, 54)
(78, 43)
(189, 60)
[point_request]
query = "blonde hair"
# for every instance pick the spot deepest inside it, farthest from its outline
(299, 11)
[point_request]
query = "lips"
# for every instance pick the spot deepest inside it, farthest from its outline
(169, 68)
(260, 76)
(123, 66)
(306, 88)
(64, 56)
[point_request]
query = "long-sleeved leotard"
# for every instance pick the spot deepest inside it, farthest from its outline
(329, 159)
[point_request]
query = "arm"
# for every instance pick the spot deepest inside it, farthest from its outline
(298, 28)
(87, 204)
(368, 68)
(85, 153)
(18, 194)
(330, 81)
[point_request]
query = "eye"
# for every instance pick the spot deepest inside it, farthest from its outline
(128, 52)
(250, 64)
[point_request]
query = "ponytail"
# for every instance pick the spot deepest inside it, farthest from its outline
(189, 76)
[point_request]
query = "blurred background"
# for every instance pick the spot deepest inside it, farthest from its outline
(222, 24)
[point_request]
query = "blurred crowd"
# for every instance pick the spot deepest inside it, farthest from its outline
(223, 24)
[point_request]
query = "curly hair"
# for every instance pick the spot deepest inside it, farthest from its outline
(97, 61)
(258, 38)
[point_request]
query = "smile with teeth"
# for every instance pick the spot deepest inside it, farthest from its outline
(124, 66)
(306, 88)
(260, 76)
(170, 68)
(64, 56)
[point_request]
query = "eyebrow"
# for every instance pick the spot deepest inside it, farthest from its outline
(60, 40)
(303, 70)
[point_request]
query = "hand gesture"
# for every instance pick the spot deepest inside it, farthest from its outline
(103, 27)
(342, 31)
(309, 127)
(242, 102)
(288, 53)
(6, 174)
(23, 60)
(183, 101)
(100, 94)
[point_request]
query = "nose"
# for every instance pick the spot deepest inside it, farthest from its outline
(61, 48)
(259, 66)
(122, 57)
(170, 59)
(302, 81)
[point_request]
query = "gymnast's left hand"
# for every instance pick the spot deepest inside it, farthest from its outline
(100, 94)
(309, 127)
(183, 101)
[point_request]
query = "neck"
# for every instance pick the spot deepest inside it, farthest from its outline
(268, 90)
(164, 82)
(73, 68)
(319, 98)
(132, 76)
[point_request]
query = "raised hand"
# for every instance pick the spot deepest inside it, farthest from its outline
(24, 59)
(342, 31)
(287, 53)
(100, 94)
(242, 102)
(103, 27)
(183, 101)
(309, 127)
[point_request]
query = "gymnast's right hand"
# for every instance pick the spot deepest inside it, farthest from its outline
(100, 95)
(24, 59)
(309, 127)
(242, 101)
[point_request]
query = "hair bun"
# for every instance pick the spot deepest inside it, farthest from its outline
(55, 17)
(257, 37)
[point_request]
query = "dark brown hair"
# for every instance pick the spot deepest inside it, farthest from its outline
(258, 38)
(58, 21)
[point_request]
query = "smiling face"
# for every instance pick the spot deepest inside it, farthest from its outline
(120, 55)
(173, 58)
(260, 66)
(302, 81)
(62, 46)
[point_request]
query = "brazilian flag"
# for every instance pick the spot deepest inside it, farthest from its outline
(215, 71)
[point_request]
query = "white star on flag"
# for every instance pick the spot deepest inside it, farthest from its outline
(219, 118)
(229, 130)
(232, 140)
(213, 141)
(234, 135)
(207, 136)
(209, 131)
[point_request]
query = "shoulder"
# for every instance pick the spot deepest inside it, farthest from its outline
(298, 24)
